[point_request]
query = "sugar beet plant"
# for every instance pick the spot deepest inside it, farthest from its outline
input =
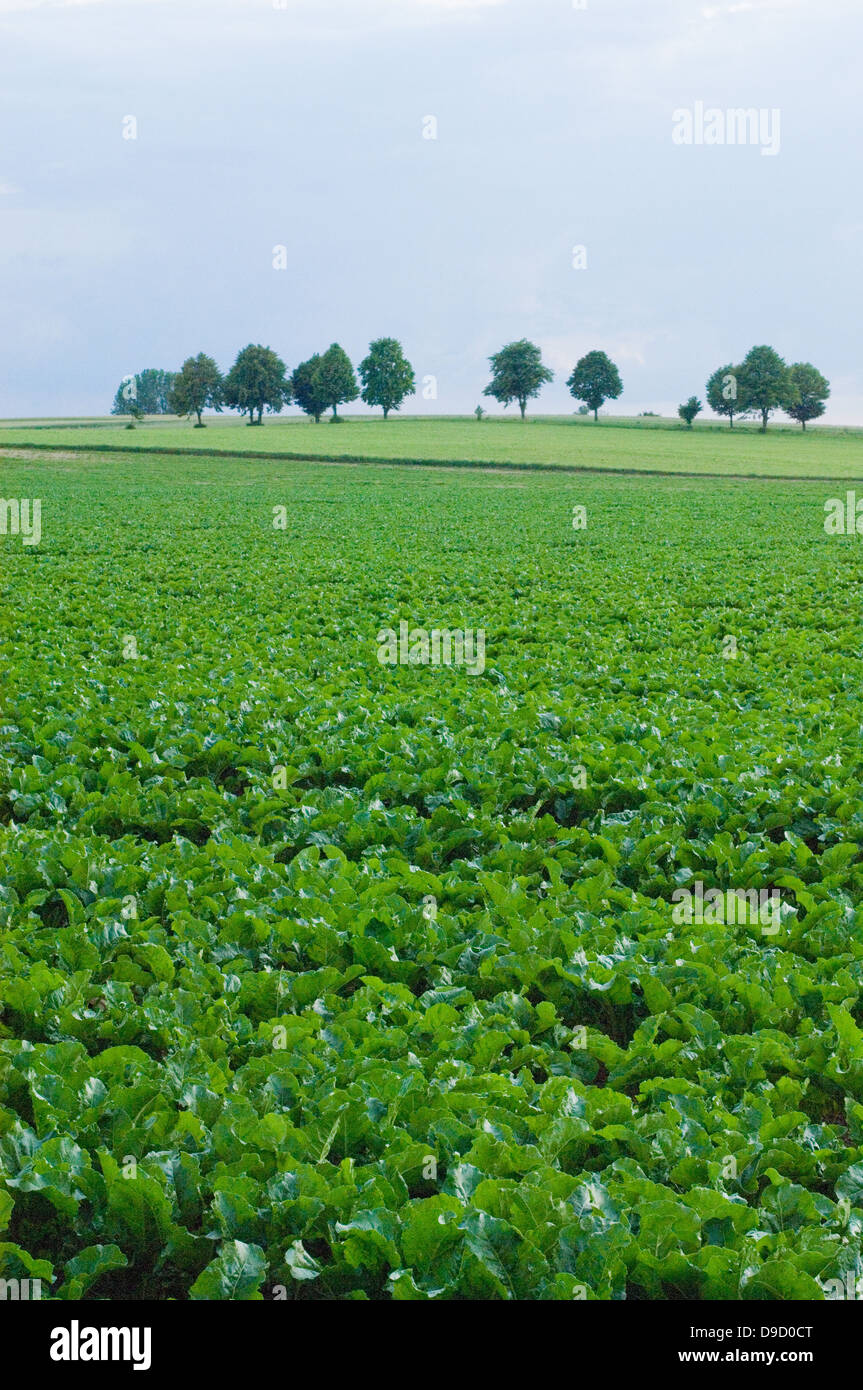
(325, 978)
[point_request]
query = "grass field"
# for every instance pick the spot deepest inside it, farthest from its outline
(365, 980)
(626, 445)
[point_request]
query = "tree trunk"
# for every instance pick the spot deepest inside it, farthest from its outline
(335, 412)
(522, 405)
(596, 413)
(764, 415)
(386, 412)
(803, 423)
(198, 413)
(731, 420)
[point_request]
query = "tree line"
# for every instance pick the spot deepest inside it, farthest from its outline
(761, 384)
(259, 381)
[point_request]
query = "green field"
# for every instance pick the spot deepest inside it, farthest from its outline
(365, 981)
(634, 445)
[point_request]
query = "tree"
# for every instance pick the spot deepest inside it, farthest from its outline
(386, 375)
(126, 396)
(197, 385)
(595, 380)
(308, 389)
(517, 374)
(690, 409)
(338, 383)
(723, 393)
(257, 382)
(765, 383)
(150, 390)
(813, 391)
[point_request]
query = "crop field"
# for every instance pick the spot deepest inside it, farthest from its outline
(326, 973)
(633, 445)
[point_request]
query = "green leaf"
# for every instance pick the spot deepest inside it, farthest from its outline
(235, 1275)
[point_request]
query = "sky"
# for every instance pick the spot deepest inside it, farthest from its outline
(430, 168)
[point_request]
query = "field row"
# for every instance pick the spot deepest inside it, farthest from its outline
(349, 978)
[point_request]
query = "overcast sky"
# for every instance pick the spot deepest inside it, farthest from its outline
(304, 124)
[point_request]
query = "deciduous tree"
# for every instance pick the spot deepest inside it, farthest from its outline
(595, 380)
(308, 388)
(150, 390)
(723, 393)
(517, 374)
(765, 383)
(386, 375)
(338, 383)
(813, 392)
(257, 382)
(197, 386)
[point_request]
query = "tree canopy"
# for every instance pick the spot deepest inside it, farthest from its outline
(337, 380)
(307, 387)
(813, 391)
(723, 393)
(386, 375)
(517, 374)
(595, 380)
(765, 383)
(197, 386)
(257, 382)
(149, 391)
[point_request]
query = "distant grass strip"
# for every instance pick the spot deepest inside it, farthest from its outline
(275, 456)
